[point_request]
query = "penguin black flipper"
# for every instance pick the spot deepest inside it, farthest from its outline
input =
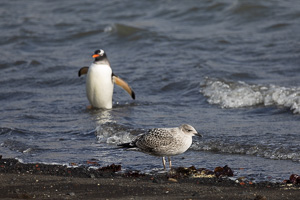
(83, 70)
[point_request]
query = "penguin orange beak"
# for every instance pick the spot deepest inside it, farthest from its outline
(95, 55)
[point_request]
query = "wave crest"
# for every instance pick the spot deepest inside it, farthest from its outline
(261, 150)
(240, 94)
(112, 133)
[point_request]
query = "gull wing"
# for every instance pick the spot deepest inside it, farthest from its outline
(155, 138)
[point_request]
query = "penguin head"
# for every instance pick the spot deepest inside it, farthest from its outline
(99, 55)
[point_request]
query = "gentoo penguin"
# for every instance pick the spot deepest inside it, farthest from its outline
(100, 82)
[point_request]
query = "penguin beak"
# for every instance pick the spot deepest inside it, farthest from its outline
(95, 55)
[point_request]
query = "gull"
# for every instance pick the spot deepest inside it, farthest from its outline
(164, 142)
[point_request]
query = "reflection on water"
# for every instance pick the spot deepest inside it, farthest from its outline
(103, 116)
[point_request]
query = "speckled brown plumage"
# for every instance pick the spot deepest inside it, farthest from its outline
(164, 141)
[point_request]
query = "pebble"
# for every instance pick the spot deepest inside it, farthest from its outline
(71, 194)
(158, 180)
(173, 180)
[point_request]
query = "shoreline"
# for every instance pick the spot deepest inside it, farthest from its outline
(42, 181)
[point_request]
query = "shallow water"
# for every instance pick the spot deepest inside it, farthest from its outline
(229, 68)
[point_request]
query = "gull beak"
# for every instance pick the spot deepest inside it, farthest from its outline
(198, 134)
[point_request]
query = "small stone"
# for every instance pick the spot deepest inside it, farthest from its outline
(173, 180)
(157, 180)
(260, 197)
(71, 194)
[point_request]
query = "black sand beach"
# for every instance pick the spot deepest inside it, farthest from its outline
(228, 68)
(41, 181)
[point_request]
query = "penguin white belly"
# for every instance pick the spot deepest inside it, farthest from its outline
(99, 86)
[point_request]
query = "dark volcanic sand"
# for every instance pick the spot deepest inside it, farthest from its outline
(40, 181)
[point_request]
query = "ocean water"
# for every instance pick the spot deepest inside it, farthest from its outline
(230, 68)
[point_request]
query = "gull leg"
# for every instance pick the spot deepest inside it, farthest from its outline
(170, 163)
(164, 162)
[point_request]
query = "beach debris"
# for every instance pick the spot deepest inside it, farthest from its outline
(223, 171)
(93, 163)
(191, 172)
(110, 168)
(294, 179)
(73, 164)
(204, 173)
(184, 171)
(243, 181)
(260, 197)
(135, 174)
(201, 172)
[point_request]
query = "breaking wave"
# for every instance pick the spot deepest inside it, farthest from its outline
(240, 94)
(278, 152)
(112, 133)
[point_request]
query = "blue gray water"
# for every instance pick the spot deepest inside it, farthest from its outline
(230, 68)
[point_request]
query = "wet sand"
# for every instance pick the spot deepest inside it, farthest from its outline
(41, 181)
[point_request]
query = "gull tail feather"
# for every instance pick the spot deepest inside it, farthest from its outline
(127, 145)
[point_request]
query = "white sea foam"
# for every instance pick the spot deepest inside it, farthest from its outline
(261, 150)
(240, 94)
(113, 134)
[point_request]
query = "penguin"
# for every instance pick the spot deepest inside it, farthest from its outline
(100, 82)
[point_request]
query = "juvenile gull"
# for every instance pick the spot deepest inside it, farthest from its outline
(164, 141)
